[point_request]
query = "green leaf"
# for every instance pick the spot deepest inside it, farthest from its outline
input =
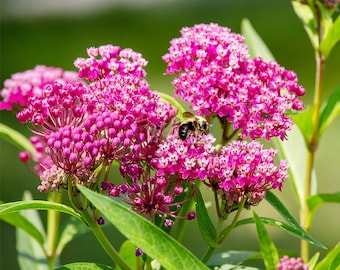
(330, 110)
(312, 262)
(295, 152)
(71, 229)
(12, 207)
(292, 230)
(31, 254)
(233, 257)
(331, 261)
(145, 235)
(84, 266)
(269, 252)
(331, 37)
(127, 252)
(306, 15)
(174, 103)
(16, 138)
(255, 44)
(315, 201)
(205, 224)
(304, 121)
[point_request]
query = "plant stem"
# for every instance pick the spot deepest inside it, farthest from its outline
(312, 147)
(53, 223)
(104, 242)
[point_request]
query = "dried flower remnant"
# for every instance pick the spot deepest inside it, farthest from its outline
(217, 76)
(23, 85)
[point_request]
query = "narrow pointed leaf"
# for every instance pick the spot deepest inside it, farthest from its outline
(15, 138)
(330, 110)
(84, 266)
(304, 121)
(174, 103)
(205, 224)
(331, 261)
(145, 235)
(315, 201)
(292, 230)
(269, 252)
(255, 44)
(12, 207)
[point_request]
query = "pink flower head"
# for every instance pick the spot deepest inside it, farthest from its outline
(216, 75)
(245, 170)
(287, 263)
(184, 159)
(52, 179)
(58, 105)
(23, 85)
(108, 60)
(75, 151)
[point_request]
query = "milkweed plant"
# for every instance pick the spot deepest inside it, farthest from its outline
(104, 117)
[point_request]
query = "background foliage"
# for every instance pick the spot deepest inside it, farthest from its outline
(57, 40)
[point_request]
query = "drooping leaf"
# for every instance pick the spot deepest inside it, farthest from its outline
(31, 254)
(295, 152)
(331, 261)
(315, 201)
(330, 110)
(84, 266)
(269, 252)
(72, 228)
(145, 235)
(205, 224)
(290, 229)
(232, 257)
(12, 207)
(16, 138)
(331, 36)
(255, 44)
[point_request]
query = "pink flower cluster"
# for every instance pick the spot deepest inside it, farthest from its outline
(24, 85)
(287, 263)
(239, 170)
(217, 76)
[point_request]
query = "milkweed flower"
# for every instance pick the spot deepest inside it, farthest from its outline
(216, 75)
(287, 263)
(23, 85)
(244, 170)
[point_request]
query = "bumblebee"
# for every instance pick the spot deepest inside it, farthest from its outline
(192, 124)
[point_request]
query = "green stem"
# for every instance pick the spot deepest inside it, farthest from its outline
(225, 233)
(53, 223)
(312, 147)
(104, 242)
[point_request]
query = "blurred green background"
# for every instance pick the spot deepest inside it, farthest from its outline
(57, 37)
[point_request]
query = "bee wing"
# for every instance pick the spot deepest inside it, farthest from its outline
(188, 115)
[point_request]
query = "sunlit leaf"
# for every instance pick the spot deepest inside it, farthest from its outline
(255, 44)
(332, 36)
(304, 121)
(12, 207)
(205, 224)
(127, 251)
(72, 228)
(306, 15)
(330, 110)
(174, 103)
(145, 235)
(233, 257)
(313, 261)
(295, 152)
(269, 252)
(84, 266)
(31, 254)
(16, 138)
(331, 260)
